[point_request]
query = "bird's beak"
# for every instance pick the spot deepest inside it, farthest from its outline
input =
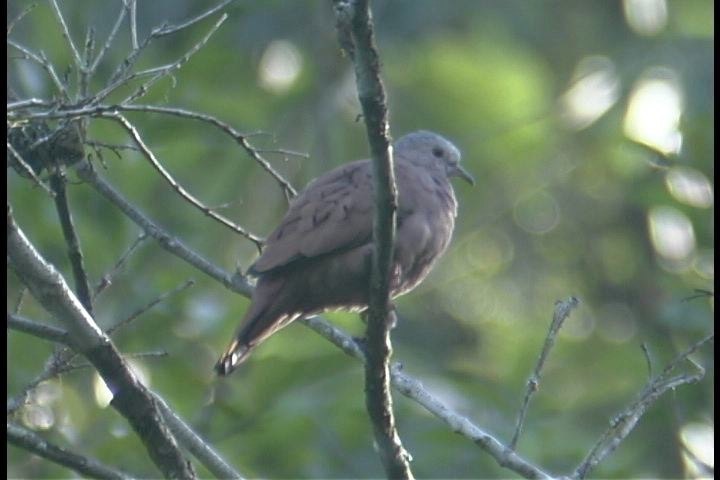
(458, 171)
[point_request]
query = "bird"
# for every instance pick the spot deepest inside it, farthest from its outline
(319, 257)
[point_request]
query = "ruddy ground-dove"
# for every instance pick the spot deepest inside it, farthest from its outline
(319, 257)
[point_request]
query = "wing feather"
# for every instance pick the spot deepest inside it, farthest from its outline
(334, 213)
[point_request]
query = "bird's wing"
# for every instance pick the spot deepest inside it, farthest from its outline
(334, 213)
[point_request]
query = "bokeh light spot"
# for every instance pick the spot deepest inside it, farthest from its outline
(538, 213)
(699, 440)
(654, 110)
(689, 186)
(646, 17)
(595, 89)
(280, 66)
(671, 233)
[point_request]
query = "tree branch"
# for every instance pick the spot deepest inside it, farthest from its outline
(86, 466)
(624, 422)
(355, 17)
(82, 286)
(130, 397)
(174, 245)
(196, 445)
(40, 330)
(562, 311)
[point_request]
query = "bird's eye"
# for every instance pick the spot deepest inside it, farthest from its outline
(438, 152)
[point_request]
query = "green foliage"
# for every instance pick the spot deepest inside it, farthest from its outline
(558, 211)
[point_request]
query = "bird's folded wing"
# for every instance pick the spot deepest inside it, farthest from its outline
(334, 213)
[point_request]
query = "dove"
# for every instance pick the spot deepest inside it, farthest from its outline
(319, 257)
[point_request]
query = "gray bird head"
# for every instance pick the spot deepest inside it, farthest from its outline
(430, 150)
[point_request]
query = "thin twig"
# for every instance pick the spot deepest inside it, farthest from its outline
(562, 311)
(187, 437)
(115, 148)
(282, 151)
(86, 466)
(66, 35)
(82, 285)
(133, 23)
(88, 52)
(40, 330)
(19, 17)
(41, 60)
(108, 41)
(121, 76)
(174, 245)
(648, 361)
(187, 284)
(165, 70)
(414, 390)
(19, 301)
(150, 156)
(27, 103)
(623, 423)
(28, 170)
(131, 398)
(241, 138)
(71, 367)
(167, 30)
(106, 280)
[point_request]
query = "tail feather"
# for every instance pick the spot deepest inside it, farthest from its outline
(249, 337)
(235, 354)
(269, 311)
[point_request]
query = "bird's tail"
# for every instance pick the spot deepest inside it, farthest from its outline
(236, 353)
(259, 323)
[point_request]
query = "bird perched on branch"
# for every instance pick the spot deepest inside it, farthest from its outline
(319, 257)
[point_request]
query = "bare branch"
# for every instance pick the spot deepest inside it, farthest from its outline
(355, 17)
(19, 17)
(131, 398)
(70, 367)
(149, 305)
(86, 466)
(122, 77)
(623, 423)
(415, 391)
(236, 283)
(19, 301)
(107, 279)
(241, 138)
(503, 454)
(109, 40)
(132, 4)
(53, 367)
(167, 30)
(46, 332)
(28, 170)
(176, 186)
(163, 71)
(195, 444)
(27, 103)
(562, 311)
(82, 286)
(66, 35)
(41, 60)
(88, 52)
(282, 151)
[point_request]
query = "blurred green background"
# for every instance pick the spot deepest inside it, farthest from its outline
(589, 127)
